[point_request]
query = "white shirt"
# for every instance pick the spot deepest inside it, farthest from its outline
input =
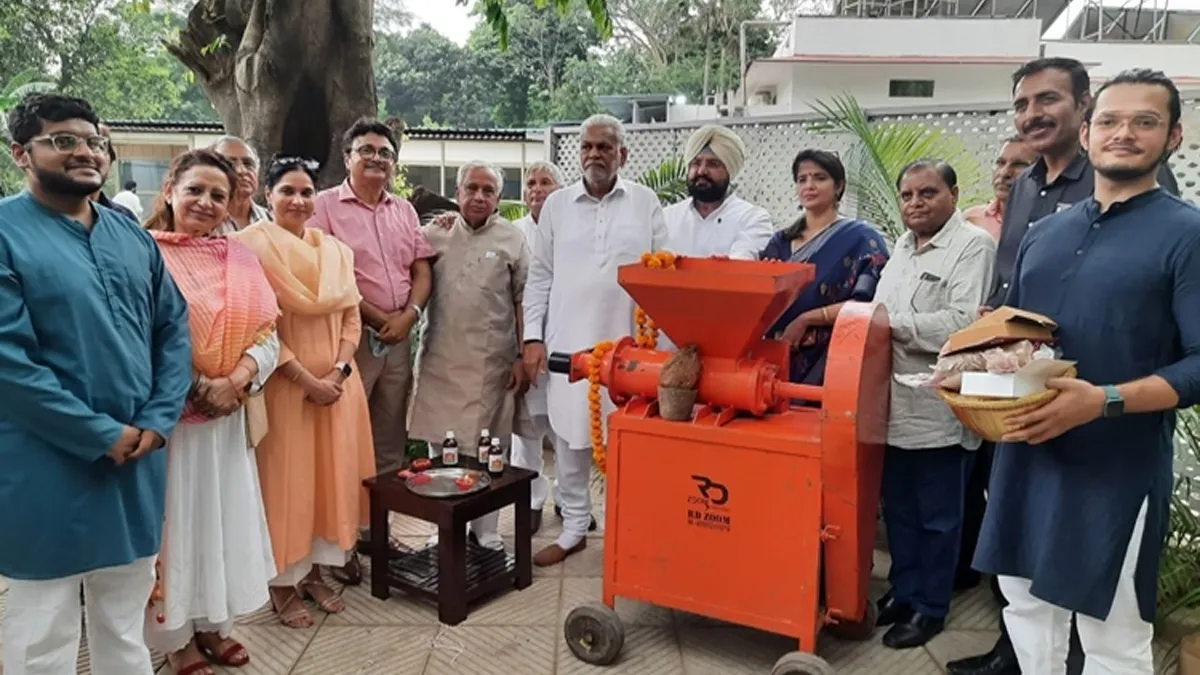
(736, 228)
(930, 293)
(572, 299)
(535, 398)
(130, 201)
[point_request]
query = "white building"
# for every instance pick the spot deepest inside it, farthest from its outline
(944, 53)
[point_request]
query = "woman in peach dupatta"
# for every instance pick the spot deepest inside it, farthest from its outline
(216, 558)
(319, 449)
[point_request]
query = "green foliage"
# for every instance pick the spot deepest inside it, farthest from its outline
(668, 180)
(1179, 571)
(883, 149)
(23, 83)
(511, 210)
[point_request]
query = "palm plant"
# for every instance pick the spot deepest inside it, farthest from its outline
(883, 149)
(1179, 573)
(668, 180)
(512, 210)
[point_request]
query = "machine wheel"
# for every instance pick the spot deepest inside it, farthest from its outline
(594, 634)
(802, 663)
(857, 630)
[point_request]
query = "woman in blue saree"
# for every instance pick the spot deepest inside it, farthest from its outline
(848, 254)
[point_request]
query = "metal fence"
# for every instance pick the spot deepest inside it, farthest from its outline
(772, 142)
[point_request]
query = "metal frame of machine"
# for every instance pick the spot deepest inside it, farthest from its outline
(761, 510)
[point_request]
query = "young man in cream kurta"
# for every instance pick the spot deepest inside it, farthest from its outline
(469, 370)
(587, 230)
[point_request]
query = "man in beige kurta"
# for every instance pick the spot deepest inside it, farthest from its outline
(469, 369)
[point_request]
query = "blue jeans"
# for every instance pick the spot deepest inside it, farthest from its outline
(922, 495)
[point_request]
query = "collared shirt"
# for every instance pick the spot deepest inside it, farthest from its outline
(736, 228)
(1123, 287)
(988, 216)
(1032, 199)
(386, 240)
(257, 213)
(130, 201)
(931, 292)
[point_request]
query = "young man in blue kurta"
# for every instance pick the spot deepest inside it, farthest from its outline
(1080, 491)
(95, 365)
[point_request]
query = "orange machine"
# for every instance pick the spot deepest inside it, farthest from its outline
(761, 509)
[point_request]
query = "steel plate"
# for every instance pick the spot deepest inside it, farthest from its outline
(442, 485)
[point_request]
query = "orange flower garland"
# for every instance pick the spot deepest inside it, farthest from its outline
(646, 336)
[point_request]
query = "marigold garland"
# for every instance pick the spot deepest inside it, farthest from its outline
(646, 336)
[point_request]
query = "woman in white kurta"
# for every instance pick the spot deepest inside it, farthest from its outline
(216, 555)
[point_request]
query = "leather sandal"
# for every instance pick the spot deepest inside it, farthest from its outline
(234, 655)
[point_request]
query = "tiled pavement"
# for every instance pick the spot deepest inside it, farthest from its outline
(520, 633)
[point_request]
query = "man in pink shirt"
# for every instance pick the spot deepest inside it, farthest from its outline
(1015, 156)
(391, 263)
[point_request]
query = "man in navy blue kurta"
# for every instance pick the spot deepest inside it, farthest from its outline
(1080, 490)
(95, 364)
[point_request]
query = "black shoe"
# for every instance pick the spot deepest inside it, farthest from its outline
(535, 520)
(591, 525)
(892, 611)
(915, 632)
(991, 663)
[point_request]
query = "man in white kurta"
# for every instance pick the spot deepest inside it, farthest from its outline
(572, 301)
(532, 425)
(712, 221)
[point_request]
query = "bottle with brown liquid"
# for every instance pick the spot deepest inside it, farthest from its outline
(496, 458)
(483, 450)
(450, 450)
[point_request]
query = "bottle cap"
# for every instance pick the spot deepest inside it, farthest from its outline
(495, 441)
(484, 432)
(449, 434)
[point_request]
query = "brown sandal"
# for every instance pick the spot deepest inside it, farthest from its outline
(332, 604)
(233, 655)
(198, 666)
(350, 574)
(296, 617)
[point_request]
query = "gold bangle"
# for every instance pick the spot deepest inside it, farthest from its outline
(825, 313)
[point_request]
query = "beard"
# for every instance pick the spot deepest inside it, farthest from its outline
(1124, 173)
(60, 183)
(707, 191)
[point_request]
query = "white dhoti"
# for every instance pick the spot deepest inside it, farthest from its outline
(42, 622)
(1041, 632)
(527, 453)
(572, 475)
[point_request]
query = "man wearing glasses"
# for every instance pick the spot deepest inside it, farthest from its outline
(392, 264)
(95, 365)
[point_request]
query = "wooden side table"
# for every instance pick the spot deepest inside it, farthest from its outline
(453, 573)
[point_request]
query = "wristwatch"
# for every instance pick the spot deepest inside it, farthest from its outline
(1114, 403)
(344, 367)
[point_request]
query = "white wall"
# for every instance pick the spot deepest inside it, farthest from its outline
(868, 83)
(1177, 60)
(932, 37)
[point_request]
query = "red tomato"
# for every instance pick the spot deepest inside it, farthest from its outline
(421, 464)
(465, 483)
(421, 479)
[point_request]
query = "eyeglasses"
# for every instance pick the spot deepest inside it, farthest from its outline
(309, 164)
(369, 152)
(1136, 123)
(67, 143)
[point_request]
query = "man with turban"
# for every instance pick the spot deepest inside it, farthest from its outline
(713, 222)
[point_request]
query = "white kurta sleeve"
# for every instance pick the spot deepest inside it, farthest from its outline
(536, 300)
(266, 355)
(756, 231)
(658, 228)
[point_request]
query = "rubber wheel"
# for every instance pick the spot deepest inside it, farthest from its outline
(802, 663)
(595, 634)
(857, 631)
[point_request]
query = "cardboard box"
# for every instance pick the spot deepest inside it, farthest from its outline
(1029, 380)
(1004, 325)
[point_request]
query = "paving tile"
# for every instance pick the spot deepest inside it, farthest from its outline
(647, 651)
(273, 650)
(351, 650)
(488, 650)
(959, 644)
(870, 657)
(537, 605)
(732, 651)
(407, 526)
(586, 591)
(587, 563)
(401, 609)
(975, 609)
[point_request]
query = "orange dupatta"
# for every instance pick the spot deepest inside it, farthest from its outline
(231, 306)
(313, 275)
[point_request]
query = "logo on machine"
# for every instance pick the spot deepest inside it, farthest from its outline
(709, 508)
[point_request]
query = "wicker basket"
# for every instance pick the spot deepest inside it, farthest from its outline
(676, 404)
(985, 416)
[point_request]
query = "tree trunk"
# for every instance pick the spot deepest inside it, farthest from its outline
(289, 77)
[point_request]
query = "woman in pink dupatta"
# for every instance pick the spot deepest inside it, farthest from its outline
(216, 556)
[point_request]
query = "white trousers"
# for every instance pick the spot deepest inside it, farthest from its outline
(1041, 632)
(572, 475)
(527, 454)
(42, 622)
